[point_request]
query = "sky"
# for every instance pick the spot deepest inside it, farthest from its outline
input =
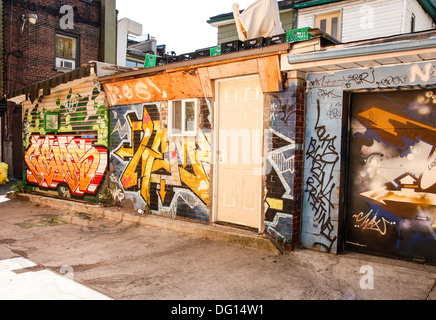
(180, 25)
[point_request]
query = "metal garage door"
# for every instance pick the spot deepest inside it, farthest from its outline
(391, 207)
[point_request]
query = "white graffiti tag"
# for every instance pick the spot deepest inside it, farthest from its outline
(369, 222)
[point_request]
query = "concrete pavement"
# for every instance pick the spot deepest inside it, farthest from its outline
(126, 260)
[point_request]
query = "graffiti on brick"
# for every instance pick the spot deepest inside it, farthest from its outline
(281, 168)
(170, 174)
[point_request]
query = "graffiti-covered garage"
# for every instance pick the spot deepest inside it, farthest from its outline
(391, 207)
(65, 135)
(212, 140)
(370, 149)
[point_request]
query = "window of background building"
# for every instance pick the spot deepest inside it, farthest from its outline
(67, 51)
(330, 23)
(130, 63)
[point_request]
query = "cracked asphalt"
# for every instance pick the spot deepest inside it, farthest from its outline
(130, 262)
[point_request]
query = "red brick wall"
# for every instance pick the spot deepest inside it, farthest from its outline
(30, 56)
(284, 178)
(300, 113)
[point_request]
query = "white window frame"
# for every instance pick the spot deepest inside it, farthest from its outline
(330, 12)
(183, 132)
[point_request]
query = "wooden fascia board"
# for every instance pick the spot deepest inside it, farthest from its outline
(199, 63)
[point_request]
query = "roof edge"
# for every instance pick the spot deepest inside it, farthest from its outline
(283, 5)
(313, 3)
(429, 7)
(364, 50)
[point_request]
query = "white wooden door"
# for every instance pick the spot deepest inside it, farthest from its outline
(239, 154)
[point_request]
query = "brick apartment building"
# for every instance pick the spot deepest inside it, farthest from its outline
(42, 39)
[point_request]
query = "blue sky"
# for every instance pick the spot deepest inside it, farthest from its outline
(180, 25)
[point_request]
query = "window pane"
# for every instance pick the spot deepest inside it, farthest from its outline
(190, 116)
(51, 122)
(334, 33)
(177, 117)
(323, 25)
(66, 46)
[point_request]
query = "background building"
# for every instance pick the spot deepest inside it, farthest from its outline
(41, 40)
(347, 21)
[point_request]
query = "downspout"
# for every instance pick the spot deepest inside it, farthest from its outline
(294, 16)
(108, 31)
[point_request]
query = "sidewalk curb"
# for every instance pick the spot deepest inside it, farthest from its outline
(82, 214)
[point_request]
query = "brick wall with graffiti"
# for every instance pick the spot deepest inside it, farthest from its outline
(284, 163)
(168, 175)
(65, 140)
(389, 161)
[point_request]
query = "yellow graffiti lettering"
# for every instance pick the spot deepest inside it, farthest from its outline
(149, 157)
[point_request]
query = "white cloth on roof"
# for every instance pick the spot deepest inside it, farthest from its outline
(260, 19)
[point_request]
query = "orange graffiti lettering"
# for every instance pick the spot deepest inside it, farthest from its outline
(66, 159)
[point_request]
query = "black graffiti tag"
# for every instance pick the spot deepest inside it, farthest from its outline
(286, 106)
(320, 184)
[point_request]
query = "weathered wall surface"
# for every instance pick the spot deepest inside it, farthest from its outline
(322, 168)
(168, 175)
(398, 121)
(284, 162)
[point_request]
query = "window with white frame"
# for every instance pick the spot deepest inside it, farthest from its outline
(183, 117)
(329, 23)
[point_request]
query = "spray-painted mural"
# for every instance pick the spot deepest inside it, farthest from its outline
(390, 174)
(392, 195)
(65, 136)
(65, 159)
(168, 175)
(281, 168)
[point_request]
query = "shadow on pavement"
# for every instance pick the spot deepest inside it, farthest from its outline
(7, 187)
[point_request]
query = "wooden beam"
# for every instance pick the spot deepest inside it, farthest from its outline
(234, 69)
(163, 87)
(206, 82)
(269, 73)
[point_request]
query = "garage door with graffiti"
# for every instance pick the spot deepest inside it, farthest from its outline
(65, 140)
(391, 207)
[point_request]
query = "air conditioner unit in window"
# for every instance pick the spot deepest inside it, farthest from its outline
(67, 64)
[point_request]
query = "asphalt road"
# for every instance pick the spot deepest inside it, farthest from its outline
(123, 261)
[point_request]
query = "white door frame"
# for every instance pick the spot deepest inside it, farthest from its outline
(216, 146)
